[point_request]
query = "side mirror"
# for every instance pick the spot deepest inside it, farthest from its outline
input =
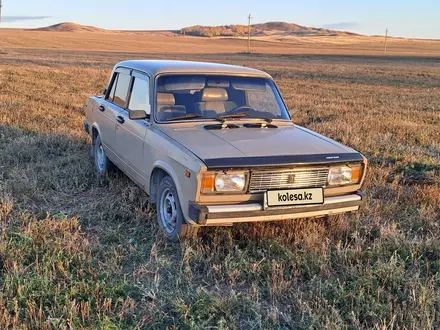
(137, 114)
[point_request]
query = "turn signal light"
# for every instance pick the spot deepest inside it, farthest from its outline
(208, 182)
(356, 174)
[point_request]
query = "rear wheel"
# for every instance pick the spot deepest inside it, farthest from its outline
(103, 165)
(169, 213)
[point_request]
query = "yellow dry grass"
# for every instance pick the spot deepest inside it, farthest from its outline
(165, 41)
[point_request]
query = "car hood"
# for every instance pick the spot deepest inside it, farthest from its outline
(291, 140)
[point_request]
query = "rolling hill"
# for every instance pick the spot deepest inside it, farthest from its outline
(271, 37)
(259, 30)
(70, 27)
(280, 29)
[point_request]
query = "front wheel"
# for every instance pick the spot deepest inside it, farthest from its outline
(169, 212)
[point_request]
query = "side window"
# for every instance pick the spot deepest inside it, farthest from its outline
(111, 95)
(140, 95)
(121, 92)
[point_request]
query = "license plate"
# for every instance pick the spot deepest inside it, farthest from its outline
(292, 197)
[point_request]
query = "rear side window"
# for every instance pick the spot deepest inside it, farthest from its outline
(119, 91)
(140, 95)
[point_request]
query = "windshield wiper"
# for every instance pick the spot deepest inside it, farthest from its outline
(233, 115)
(241, 115)
(184, 117)
(267, 120)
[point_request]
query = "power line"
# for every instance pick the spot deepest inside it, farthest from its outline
(249, 32)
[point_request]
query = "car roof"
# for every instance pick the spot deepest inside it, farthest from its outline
(155, 67)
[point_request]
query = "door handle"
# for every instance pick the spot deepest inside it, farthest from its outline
(101, 108)
(120, 119)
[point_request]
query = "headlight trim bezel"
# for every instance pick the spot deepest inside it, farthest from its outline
(214, 192)
(361, 167)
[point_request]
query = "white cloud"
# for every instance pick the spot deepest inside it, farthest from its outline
(22, 18)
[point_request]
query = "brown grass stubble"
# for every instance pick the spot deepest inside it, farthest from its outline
(166, 41)
(78, 251)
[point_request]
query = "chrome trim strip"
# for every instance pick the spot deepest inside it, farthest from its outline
(259, 207)
(234, 208)
(342, 199)
(228, 221)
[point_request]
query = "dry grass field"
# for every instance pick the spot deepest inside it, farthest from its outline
(81, 38)
(77, 251)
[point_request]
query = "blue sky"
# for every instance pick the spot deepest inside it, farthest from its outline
(417, 18)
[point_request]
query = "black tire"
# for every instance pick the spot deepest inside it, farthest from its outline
(169, 213)
(103, 165)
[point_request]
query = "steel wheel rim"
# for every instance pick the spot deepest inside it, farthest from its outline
(100, 157)
(168, 211)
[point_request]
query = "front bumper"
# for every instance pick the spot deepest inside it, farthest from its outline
(207, 215)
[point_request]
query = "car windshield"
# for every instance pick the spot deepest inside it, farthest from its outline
(201, 97)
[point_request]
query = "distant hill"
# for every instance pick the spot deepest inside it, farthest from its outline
(74, 27)
(280, 31)
(265, 29)
(70, 27)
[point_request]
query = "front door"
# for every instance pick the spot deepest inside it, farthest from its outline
(130, 134)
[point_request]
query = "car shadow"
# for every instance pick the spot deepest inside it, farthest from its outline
(54, 173)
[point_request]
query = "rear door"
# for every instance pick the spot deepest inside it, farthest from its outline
(111, 107)
(130, 134)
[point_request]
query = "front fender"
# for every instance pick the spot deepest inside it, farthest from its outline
(171, 172)
(186, 187)
(95, 126)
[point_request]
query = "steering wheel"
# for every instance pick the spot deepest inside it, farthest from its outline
(241, 108)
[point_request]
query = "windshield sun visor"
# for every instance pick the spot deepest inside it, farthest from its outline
(176, 83)
(249, 84)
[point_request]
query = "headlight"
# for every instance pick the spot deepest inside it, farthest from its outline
(224, 182)
(343, 175)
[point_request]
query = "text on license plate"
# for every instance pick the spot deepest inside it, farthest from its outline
(295, 197)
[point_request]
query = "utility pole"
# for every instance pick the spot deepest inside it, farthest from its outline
(249, 33)
(1, 5)
(386, 40)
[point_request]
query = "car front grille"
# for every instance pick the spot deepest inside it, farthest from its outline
(287, 179)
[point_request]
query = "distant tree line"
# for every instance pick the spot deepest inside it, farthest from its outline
(215, 31)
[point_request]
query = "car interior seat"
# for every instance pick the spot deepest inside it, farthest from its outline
(167, 108)
(214, 101)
